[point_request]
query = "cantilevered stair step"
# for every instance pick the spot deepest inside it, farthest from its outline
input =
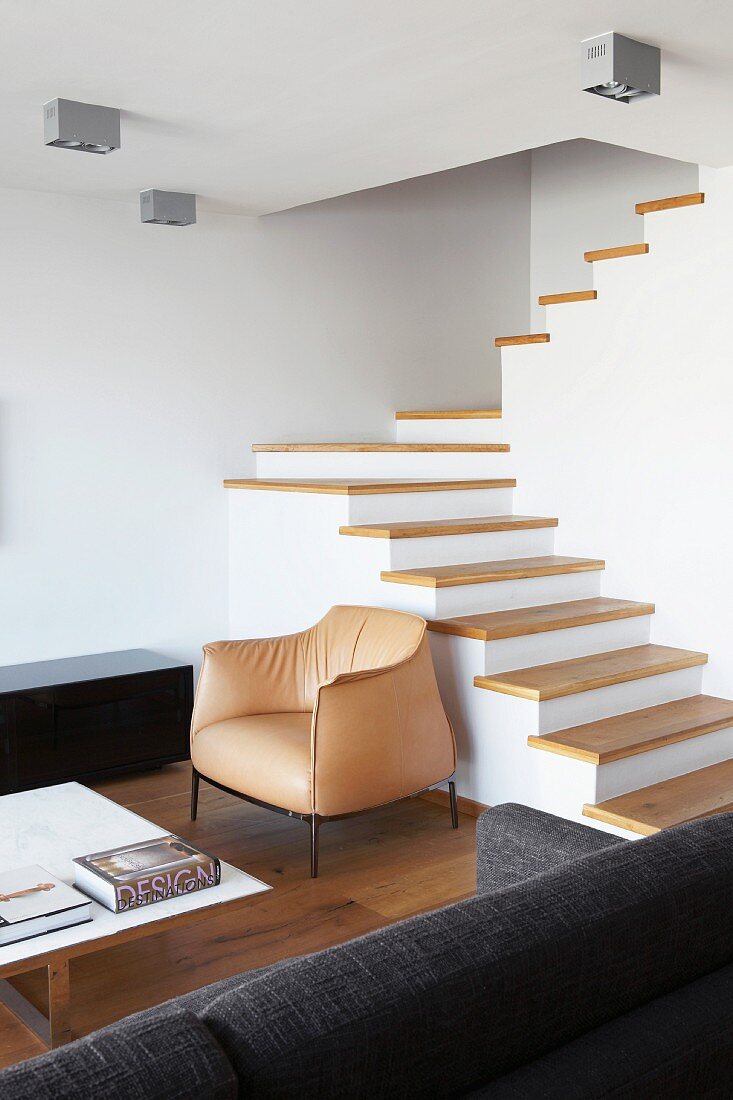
(529, 338)
(379, 448)
(618, 666)
(672, 203)
(639, 731)
(342, 486)
(671, 802)
(571, 296)
(416, 529)
(522, 621)
(448, 414)
(486, 572)
(615, 253)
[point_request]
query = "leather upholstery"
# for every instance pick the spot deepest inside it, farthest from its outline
(338, 718)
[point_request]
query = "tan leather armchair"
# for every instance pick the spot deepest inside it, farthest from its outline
(326, 723)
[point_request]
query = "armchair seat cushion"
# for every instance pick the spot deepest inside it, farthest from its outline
(265, 756)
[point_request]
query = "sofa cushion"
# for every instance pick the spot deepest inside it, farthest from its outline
(162, 1054)
(444, 1002)
(678, 1047)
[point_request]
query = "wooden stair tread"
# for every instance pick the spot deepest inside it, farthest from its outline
(572, 296)
(422, 528)
(380, 448)
(671, 203)
(671, 802)
(638, 731)
(365, 486)
(448, 414)
(615, 253)
(579, 674)
(521, 621)
(529, 338)
(485, 572)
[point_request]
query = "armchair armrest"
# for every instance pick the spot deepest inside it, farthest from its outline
(514, 843)
(379, 735)
(261, 676)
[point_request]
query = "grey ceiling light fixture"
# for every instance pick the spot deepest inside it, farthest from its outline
(86, 127)
(619, 68)
(167, 207)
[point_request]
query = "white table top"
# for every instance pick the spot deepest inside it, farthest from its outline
(52, 825)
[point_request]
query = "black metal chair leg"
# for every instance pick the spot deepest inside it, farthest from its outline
(314, 822)
(194, 793)
(453, 804)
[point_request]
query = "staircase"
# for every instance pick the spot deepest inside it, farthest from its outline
(557, 695)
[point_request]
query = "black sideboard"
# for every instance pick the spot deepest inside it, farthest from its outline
(82, 717)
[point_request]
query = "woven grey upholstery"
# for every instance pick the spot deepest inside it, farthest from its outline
(514, 843)
(444, 1002)
(166, 1054)
(679, 1047)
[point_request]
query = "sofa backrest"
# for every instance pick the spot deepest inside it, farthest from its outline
(442, 1003)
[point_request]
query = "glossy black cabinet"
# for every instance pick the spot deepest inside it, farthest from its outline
(82, 717)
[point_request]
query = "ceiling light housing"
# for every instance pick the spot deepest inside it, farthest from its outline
(167, 207)
(616, 67)
(85, 127)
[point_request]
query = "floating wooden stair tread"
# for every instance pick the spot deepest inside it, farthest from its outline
(427, 528)
(380, 448)
(485, 572)
(639, 731)
(572, 296)
(615, 253)
(521, 621)
(671, 203)
(530, 338)
(448, 414)
(671, 802)
(364, 486)
(618, 666)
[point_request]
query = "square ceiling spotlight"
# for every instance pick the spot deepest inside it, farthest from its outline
(86, 127)
(167, 207)
(619, 68)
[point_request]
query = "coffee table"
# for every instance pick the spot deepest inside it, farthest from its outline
(52, 825)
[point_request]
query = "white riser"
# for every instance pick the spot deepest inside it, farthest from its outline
(383, 464)
(646, 768)
(589, 706)
(447, 504)
(562, 645)
(450, 431)
(467, 599)
(462, 549)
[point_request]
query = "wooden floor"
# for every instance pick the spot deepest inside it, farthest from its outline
(375, 869)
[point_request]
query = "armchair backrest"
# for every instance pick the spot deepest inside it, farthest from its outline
(353, 639)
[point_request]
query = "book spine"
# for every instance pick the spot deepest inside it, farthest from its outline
(152, 886)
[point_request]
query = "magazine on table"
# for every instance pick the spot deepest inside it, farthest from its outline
(141, 874)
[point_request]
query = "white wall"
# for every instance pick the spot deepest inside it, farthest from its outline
(140, 362)
(583, 197)
(620, 427)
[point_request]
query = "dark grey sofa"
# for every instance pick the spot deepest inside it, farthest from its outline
(586, 967)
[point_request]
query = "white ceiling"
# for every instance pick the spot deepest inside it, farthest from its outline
(259, 105)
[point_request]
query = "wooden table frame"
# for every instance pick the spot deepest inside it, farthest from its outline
(55, 1029)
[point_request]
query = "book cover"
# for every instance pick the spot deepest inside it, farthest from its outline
(141, 874)
(33, 901)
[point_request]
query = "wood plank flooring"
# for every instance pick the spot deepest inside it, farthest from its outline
(375, 869)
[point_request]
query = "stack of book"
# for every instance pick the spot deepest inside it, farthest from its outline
(33, 902)
(141, 874)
